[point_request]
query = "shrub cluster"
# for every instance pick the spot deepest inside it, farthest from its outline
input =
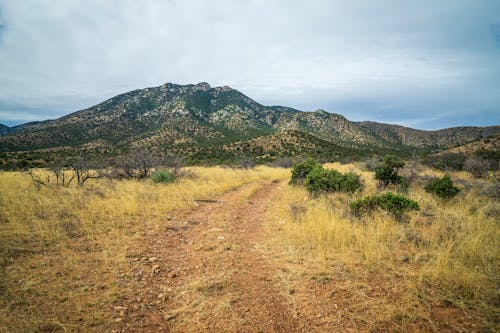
(395, 204)
(324, 180)
(442, 187)
(320, 180)
(301, 170)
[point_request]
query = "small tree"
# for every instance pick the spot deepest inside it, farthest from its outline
(387, 173)
(137, 164)
(84, 171)
(442, 187)
(301, 170)
(56, 175)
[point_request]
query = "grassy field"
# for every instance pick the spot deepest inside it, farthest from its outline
(63, 250)
(445, 254)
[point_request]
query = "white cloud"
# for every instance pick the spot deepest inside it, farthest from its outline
(389, 56)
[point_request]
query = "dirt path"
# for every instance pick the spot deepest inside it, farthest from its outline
(203, 271)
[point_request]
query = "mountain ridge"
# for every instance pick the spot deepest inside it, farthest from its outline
(186, 118)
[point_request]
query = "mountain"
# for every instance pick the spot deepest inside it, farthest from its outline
(444, 138)
(478, 147)
(206, 122)
(4, 129)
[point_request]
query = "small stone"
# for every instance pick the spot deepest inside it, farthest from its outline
(122, 313)
(172, 275)
(169, 218)
(291, 291)
(120, 308)
(152, 259)
(155, 269)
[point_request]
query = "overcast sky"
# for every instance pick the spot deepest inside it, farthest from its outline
(425, 64)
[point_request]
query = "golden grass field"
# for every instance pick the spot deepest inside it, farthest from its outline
(62, 250)
(449, 251)
(55, 239)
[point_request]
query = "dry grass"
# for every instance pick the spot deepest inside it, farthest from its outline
(448, 251)
(63, 250)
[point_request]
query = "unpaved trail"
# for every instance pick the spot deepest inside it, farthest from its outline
(203, 272)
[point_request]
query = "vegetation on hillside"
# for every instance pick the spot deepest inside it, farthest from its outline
(213, 126)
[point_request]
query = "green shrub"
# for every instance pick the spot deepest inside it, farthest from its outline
(350, 183)
(324, 180)
(162, 176)
(301, 170)
(393, 203)
(387, 173)
(442, 187)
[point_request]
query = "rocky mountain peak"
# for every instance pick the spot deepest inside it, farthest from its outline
(171, 115)
(321, 111)
(202, 86)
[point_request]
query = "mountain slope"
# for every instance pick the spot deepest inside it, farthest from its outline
(4, 129)
(489, 144)
(445, 138)
(198, 120)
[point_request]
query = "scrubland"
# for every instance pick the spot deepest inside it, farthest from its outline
(64, 249)
(447, 253)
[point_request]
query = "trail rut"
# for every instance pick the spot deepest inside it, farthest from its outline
(204, 271)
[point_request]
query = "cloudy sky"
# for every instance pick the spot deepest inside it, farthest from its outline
(425, 64)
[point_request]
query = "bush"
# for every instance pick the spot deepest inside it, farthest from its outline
(247, 163)
(350, 183)
(442, 187)
(446, 161)
(387, 173)
(395, 204)
(162, 176)
(283, 162)
(477, 166)
(301, 170)
(324, 180)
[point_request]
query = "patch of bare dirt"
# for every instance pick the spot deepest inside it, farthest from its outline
(203, 272)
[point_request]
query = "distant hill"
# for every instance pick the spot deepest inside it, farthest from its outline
(4, 129)
(202, 122)
(439, 139)
(489, 144)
